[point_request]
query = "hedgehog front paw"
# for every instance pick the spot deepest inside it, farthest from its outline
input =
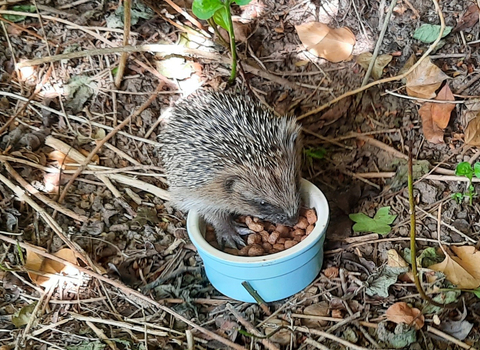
(241, 229)
(231, 239)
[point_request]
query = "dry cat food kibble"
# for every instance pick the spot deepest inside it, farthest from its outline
(268, 238)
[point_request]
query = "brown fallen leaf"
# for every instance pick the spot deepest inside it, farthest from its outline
(281, 337)
(381, 62)
(433, 133)
(471, 118)
(318, 309)
(457, 273)
(435, 116)
(402, 313)
(395, 260)
(469, 258)
(41, 264)
(468, 19)
(425, 80)
(334, 45)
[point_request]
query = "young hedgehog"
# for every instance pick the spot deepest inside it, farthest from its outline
(227, 155)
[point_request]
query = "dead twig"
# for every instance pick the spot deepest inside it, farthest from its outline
(127, 20)
(379, 42)
(32, 190)
(267, 343)
(106, 138)
(128, 291)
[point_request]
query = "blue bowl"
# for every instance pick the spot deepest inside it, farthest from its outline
(275, 276)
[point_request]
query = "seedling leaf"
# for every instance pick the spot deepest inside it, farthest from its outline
(316, 153)
(242, 2)
(428, 33)
(380, 223)
(476, 170)
(221, 18)
(464, 169)
(205, 9)
(19, 8)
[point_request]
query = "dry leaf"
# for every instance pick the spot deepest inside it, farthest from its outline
(441, 111)
(402, 313)
(456, 273)
(38, 263)
(468, 19)
(435, 116)
(433, 133)
(395, 260)
(425, 80)
(381, 62)
(331, 272)
(469, 258)
(283, 336)
(471, 118)
(334, 45)
(318, 309)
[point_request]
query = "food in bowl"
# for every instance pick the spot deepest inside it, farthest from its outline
(268, 238)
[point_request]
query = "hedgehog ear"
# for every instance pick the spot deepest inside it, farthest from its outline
(229, 183)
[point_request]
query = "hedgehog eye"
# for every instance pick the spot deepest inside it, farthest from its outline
(263, 203)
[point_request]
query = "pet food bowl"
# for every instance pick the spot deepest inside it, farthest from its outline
(275, 276)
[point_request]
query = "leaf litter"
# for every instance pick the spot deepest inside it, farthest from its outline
(146, 240)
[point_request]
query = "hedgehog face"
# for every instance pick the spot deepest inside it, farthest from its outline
(269, 194)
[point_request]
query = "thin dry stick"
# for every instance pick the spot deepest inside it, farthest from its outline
(125, 289)
(106, 138)
(386, 80)
(453, 228)
(43, 198)
(127, 19)
(449, 338)
(50, 18)
(21, 195)
(379, 42)
(316, 344)
(329, 336)
(78, 119)
(267, 343)
(156, 48)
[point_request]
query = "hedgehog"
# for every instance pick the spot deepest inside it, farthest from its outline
(226, 155)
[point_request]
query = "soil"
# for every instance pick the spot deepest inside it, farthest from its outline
(141, 283)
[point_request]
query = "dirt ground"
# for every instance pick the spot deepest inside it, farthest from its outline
(142, 284)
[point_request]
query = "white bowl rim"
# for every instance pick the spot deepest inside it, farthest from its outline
(319, 230)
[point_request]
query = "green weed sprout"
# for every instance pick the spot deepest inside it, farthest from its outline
(466, 169)
(220, 11)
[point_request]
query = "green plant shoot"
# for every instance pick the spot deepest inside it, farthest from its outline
(219, 10)
(466, 169)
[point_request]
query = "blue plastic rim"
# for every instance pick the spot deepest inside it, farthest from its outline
(275, 276)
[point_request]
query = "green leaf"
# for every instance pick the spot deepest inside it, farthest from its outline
(204, 9)
(476, 292)
(458, 197)
(476, 169)
(379, 283)
(429, 257)
(242, 2)
(87, 345)
(380, 223)
(464, 169)
(316, 153)
(221, 18)
(428, 33)
(23, 315)
(20, 8)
